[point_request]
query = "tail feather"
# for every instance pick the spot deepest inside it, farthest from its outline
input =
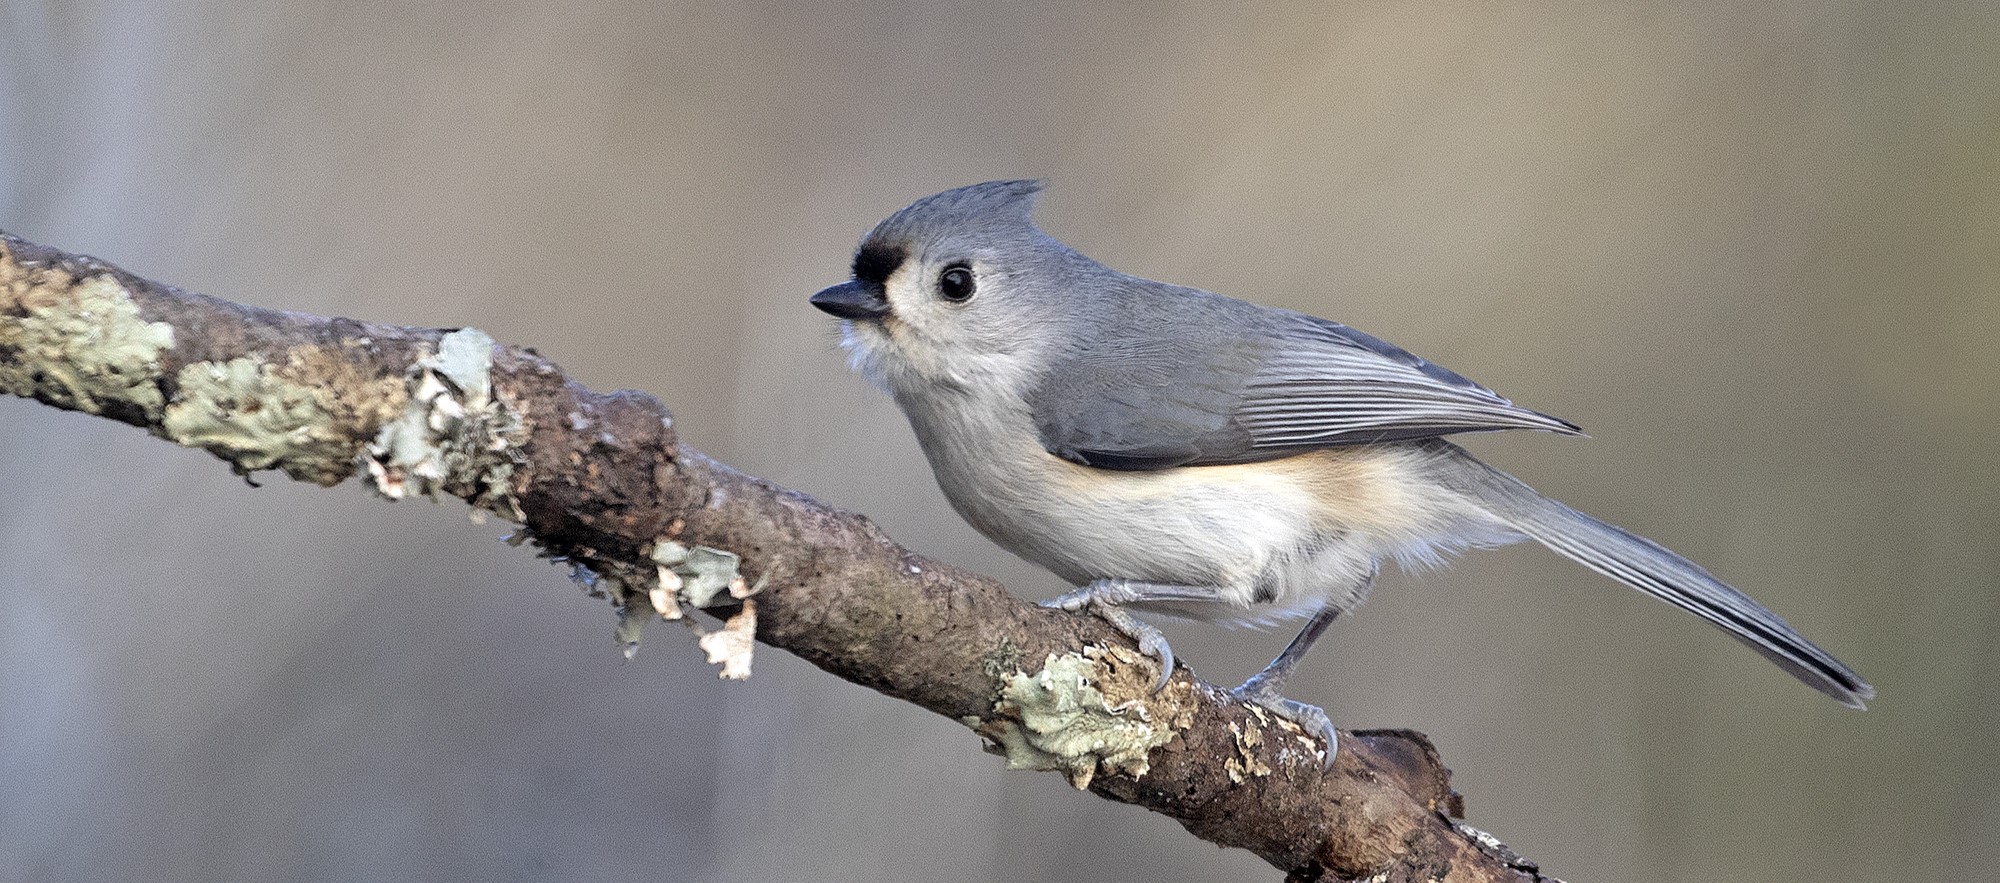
(1653, 569)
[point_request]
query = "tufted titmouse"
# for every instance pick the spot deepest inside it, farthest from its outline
(1184, 453)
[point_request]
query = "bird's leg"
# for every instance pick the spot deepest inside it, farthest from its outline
(1262, 688)
(1104, 596)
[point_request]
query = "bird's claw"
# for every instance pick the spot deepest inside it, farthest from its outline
(1154, 644)
(1151, 642)
(1311, 717)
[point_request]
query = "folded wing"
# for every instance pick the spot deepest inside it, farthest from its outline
(1248, 383)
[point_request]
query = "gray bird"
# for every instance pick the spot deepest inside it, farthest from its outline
(1184, 453)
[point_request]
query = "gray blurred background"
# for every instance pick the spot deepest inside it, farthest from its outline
(1752, 247)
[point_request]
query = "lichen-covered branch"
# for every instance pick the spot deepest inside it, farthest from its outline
(600, 482)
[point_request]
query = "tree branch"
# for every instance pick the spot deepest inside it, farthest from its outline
(601, 482)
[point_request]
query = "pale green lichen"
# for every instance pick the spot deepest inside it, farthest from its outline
(1060, 719)
(698, 574)
(465, 357)
(454, 435)
(243, 412)
(632, 617)
(79, 344)
(703, 577)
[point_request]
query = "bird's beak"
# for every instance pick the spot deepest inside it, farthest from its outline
(853, 300)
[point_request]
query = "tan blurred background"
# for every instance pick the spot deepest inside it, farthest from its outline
(1753, 248)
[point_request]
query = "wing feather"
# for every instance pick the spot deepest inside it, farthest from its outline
(1249, 383)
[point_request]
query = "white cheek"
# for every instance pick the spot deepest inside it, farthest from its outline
(928, 347)
(916, 345)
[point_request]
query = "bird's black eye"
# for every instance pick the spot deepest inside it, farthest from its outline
(955, 283)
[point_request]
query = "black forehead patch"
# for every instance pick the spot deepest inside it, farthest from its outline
(874, 263)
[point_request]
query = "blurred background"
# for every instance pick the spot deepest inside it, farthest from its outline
(1752, 247)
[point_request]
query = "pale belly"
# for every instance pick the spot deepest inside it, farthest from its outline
(1275, 539)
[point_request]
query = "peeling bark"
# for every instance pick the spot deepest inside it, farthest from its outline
(601, 481)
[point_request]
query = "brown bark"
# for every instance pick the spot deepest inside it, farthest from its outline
(601, 481)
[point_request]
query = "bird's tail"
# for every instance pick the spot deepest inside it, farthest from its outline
(1649, 567)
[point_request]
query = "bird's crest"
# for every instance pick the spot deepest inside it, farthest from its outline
(991, 207)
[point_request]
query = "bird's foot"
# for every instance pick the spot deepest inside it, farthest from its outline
(1258, 692)
(1102, 598)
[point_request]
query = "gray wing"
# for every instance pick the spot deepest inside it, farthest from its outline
(1281, 384)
